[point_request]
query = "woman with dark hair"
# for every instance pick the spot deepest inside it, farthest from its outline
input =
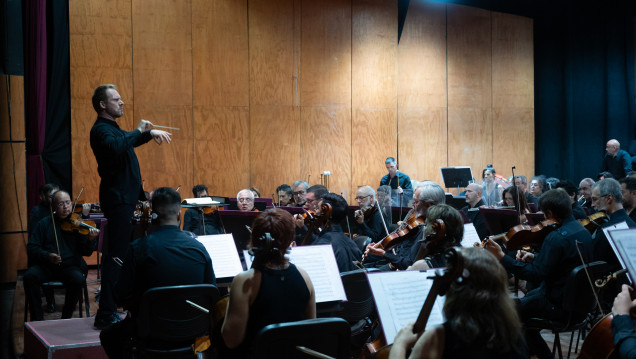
(490, 190)
(272, 291)
(512, 198)
(481, 318)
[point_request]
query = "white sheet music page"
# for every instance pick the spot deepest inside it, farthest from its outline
(607, 230)
(320, 264)
(470, 236)
(624, 244)
(399, 297)
(207, 201)
(222, 250)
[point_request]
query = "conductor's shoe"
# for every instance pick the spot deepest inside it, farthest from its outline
(104, 320)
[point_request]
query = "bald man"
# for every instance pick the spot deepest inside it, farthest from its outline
(473, 202)
(617, 162)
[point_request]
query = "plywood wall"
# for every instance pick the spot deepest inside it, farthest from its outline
(266, 92)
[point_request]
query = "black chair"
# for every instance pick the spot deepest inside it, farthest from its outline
(578, 302)
(329, 336)
(52, 285)
(167, 325)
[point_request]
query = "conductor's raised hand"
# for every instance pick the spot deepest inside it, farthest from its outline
(160, 136)
(144, 125)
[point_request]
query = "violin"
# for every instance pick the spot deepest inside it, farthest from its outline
(316, 221)
(594, 221)
(433, 240)
(399, 235)
(210, 210)
(441, 283)
(74, 223)
(523, 235)
(79, 206)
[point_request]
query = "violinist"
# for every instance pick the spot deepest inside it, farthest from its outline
(245, 200)
(623, 324)
(551, 266)
(607, 196)
(577, 210)
(56, 254)
(311, 198)
(43, 209)
(345, 250)
(473, 202)
(197, 221)
(521, 182)
(537, 186)
(427, 194)
(628, 187)
(481, 320)
(368, 217)
(299, 189)
(285, 195)
(585, 189)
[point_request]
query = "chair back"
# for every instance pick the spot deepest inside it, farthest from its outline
(579, 298)
(329, 336)
(164, 314)
(360, 303)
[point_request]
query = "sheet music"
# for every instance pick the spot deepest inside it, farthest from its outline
(470, 235)
(222, 250)
(399, 297)
(200, 201)
(622, 240)
(607, 230)
(320, 264)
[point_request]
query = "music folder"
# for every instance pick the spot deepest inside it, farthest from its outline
(499, 220)
(225, 259)
(399, 297)
(459, 176)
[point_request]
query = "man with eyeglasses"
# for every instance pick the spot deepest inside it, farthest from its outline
(57, 255)
(299, 189)
(245, 200)
(313, 197)
(368, 217)
(607, 195)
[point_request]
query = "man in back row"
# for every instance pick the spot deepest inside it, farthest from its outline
(616, 161)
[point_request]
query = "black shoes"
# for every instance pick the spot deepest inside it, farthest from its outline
(104, 320)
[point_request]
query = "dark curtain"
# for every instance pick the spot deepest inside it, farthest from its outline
(584, 86)
(47, 95)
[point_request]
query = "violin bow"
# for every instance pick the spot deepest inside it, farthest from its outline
(397, 174)
(589, 279)
(57, 243)
(381, 216)
(77, 198)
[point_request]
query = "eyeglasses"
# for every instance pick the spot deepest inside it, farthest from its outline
(594, 199)
(360, 198)
(245, 200)
(298, 193)
(62, 204)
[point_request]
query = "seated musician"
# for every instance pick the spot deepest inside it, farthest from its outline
(272, 291)
(312, 197)
(383, 195)
(513, 198)
(481, 320)
(345, 250)
(285, 195)
(196, 220)
(577, 210)
(585, 188)
(433, 248)
(537, 187)
(628, 186)
(551, 266)
(299, 189)
(401, 256)
(245, 200)
(167, 257)
(370, 221)
(55, 254)
(623, 324)
(255, 191)
(473, 202)
(522, 183)
(607, 196)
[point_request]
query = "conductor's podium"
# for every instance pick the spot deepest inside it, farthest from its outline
(62, 339)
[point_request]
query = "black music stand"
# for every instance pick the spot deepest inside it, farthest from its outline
(499, 220)
(535, 218)
(259, 203)
(457, 177)
(237, 223)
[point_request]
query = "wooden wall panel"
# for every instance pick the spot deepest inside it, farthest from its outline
(16, 88)
(100, 36)
(220, 95)
(162, 74)
(373, 90)
(469, 88)
(513, 94)
(422, 96)
(14, 211)
(326, 53)
(326, 146)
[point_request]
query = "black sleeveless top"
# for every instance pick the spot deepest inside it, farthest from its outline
(454, 347)
(282, 297)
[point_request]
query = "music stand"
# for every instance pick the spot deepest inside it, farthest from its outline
(236, 223)
(459, 176)
(259, 203)
(535, 218)
(499, 220)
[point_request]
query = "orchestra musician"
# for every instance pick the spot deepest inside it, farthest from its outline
(473, 202)
(369, 219)
(481, 320)
(285, 195)
(490, 190)
(120, 186)
(196, 220)
(311, 198)
(245, 200)
(272, 291)
(300, 191)
(577, 211)
(623, 324)
(537, 187)
(397, 180)
(167, 257)
(427, 194)
(522, 183)
(551, 266)
(585, 189)
(56, 254)
(628, 187)
(616, 161)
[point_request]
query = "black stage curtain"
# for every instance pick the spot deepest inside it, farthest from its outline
(584, 85)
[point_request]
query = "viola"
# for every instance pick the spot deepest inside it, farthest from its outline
(74, 223)
(594, 221)
(523, 235)
(399, 235)
(441, 283)
(433, 240)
